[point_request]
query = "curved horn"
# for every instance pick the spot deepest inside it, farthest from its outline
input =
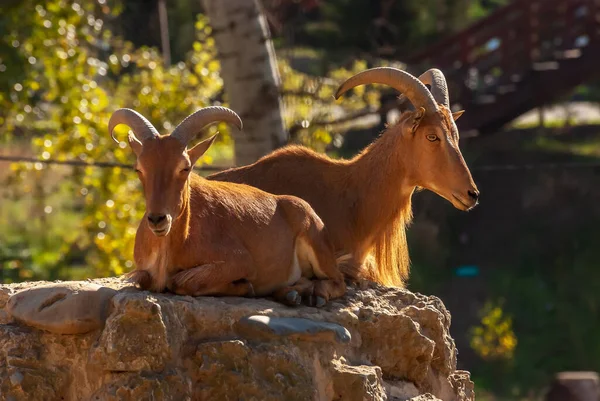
(439, 89)
(194, 123)
(141, 127)
(397, 79)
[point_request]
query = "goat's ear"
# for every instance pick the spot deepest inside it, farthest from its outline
(417, 117)
(197, 151)
(456, 115)
(135, 144)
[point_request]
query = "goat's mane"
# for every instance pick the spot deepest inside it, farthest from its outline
(390, 250)
(186, 204)
(389, 263)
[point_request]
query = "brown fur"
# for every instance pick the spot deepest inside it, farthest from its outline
(221, 238)
(391, 251)
(365, 202)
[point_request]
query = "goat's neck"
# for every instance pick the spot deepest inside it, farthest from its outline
(383, 177)
(161, 251)
(181, 225)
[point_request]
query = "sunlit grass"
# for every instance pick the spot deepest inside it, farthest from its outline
(552, 123)
(584, 147)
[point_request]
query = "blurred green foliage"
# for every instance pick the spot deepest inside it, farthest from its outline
(494, 338)
(551, 293)
(394, 29)
(65, 76)
(533, 239)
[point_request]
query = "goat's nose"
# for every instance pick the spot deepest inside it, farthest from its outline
(156, 219)
(474, 194)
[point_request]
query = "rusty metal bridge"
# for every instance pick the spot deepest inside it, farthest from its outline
(524, 55)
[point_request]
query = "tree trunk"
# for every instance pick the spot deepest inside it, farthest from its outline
(574, 386)
(250, 75)
(164, 32)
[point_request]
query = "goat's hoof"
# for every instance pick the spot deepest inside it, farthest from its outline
(293, 297)
(311, 300)
(251, 293)
(320, 302)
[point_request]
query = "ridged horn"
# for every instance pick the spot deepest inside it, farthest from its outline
(400, 80)
(439, 89)
(194, 123)
(141, 127)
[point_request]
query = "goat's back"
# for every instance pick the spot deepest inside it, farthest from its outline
(324, 183)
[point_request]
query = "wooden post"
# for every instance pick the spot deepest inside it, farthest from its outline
(164, 31)
(574, 386)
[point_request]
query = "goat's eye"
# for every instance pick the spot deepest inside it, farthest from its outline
(186, 170)
(138, 171)
(432, 138)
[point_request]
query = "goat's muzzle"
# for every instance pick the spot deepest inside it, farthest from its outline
(160, 224)
(466, 201)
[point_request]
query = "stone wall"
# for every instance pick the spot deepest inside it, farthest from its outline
(104, 340)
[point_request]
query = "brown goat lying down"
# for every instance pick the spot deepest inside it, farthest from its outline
(201, 237)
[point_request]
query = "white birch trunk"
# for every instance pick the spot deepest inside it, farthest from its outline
(250, 75)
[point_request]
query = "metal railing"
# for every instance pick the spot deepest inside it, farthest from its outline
(493, 57)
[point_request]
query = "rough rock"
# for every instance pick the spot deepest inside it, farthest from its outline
(400, 390)
(425, 397)
(376, 343)
(64, 308)
(302, 329)
(357, 383)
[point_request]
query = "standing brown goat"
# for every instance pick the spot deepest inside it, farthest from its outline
(365, 202)
(201, 237)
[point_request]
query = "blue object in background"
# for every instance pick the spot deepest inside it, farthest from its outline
(467, 271)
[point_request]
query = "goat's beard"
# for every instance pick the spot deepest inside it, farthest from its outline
(162, 233)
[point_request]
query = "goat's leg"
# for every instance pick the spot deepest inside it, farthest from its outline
(294, 294)
(350, 266)
(140, 277)
(315, 248)
(328, 289)
(212, 279)
(331, 282)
